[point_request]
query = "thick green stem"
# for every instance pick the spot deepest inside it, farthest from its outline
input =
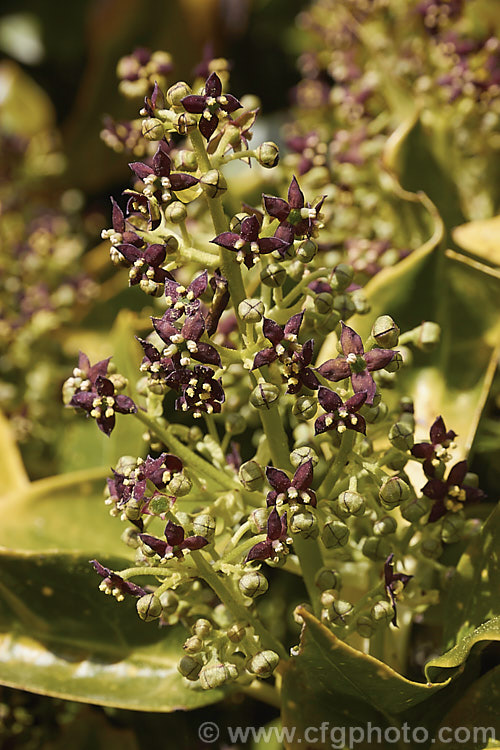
(339, 463)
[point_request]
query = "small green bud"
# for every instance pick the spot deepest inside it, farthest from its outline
(300, 455)
(253, 584)
(202, 627)
(193, 645)
(395, 364)
(382, 611)
(385, 332)
(153, 129)
(351, 503)
(131, 537)
(428, 337)
(335, 534)
(342, 277)
(328, 597)
(169, 602)
(258, 520)
(265, 396)
(213, 183)
(273, 275)
(159, 504)
(323, 302)
(185, 123)
(236, 632)
(126, 464)
(365, 626)
(176, 212)
(179, 485)
(396, 460)
(267, 154)
(304, 522)
(360, 302)
(251, 310)
(384, 526)
(149, 607)
(339, 611)
(204, 525)
(376, 548)
(326, 578)
(252, 476)
(471, 479)
(431, 547)
(415, 508)
(263, 663)
(305, 407)
(374, 413)
(344, 306)
(216, 675)
(452, 529)
(235, 424)
(401, 436)
(306, 250)
(189, 668)
(186, 161)
(393, 492)
(133, 509)
(235, 222)
(177, 92)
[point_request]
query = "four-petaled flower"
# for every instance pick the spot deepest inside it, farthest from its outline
(450, 494)
(190, 334)
(114, 584)
(102, 403)
(275, 543)
(158, 180)
(181, 299)
(356, 364)
(340, 416)
(247, 244)
(85, 374)
(394, 584)
(211, 105)
(176, 542)
(294, 491)
(133, 482)
(119, 233)
(435, 450)
(295, 218)
(146, 267)
(200, 391)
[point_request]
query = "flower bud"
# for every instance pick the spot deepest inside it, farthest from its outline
(305, 407)
(176, 212)
(304, 522)
(149, 607)
(216, 675)
(300, 455)
(339, 611)
(452, 529)
(365, 626)
(323, 303)
(258, 520)
(236, 632)
(153, 129)
(213, 183)
(179, 485)
(384, 526)
(327, 578)
(263, 663)
(202, 627)
(393, 492)
(306, 250)
(251, 310)
(267, 154)
(376, 548)
(396, 460)
(131, 537)
(169, 602)
(351, 503)
(252, 476)
(374, 413)
(133, 509)
(273, 275)
(189, 668)
(335, 534)
(186, 161)
(431, 547)
(185, 123)
(401, 436)
(177, 92)
(193, 645)
(236, 220)
(382, 611)
(204, 525)
(235, 424)
(342, 277)
(428, 335)
(344, 306)
(265, 396)
(395, 364)
(328, 597)
(385, 332)
(253, 584)
(415, 508)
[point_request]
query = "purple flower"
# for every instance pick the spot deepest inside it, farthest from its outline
(247, 245)
(295, 218)
(102, 403)
(176, 542)
(275, 543)
(436, 449)
(200, 391)
(87, 373)
(119, 234)
(114, 584)
(354, 363)
(190, 334)
(450, 494)
(340, 416)
(181, 299)
(158, 179)
(133, 483)
(394, 584)
(211, 105)
(146, 267)
(291, 491)
(157, 365)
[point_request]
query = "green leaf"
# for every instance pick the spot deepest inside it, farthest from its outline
(12, 469)
(481, 238)
(60, 636)
(488, 631)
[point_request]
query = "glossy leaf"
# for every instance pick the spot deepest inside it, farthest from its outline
(12, 471)
(61, 636)
(488, 631)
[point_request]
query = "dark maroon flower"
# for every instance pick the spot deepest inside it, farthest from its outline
(181, 299)
(87, 374)
(114, 584)
(146, 267)
(295, 218)
(200, 391)
(102, 403)
(450, 494)
(119, 234)
(244, 123)
(436, 449)
(211, 105)
(247, 245)
(158, 179)
(189, 335)
(394, 584)
(157, 365)
(340, 416)
(291, 491)
(275, 543)
(176, 542)
(159, 471)
(356, 364)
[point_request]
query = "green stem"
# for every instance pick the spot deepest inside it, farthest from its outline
(261, 691)
(42, 487)
(276, 437)
(297, 289)
(339, 463)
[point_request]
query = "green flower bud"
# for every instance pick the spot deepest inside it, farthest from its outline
(335, 534)
(265, 396)
(306, 250)
(351, 503)
(453, 527)
(186, 161)
(365, 626)
(267, 154)
(253, 584)
(216, 675)
(385, 379)
(382, 611)
(323, 303)
(328, 598)
(159, 504)
(251, 310)
(176, 212)
(339, 611)
(193, 645)
(131, 537)
(263, 663)
(360, 302)
(365, 447)
(177, 92)
(384, 526)
(236, 220)
(395, 364)
(305, 407)
(431, 547)
(304, 522)
(396, 460)
(393, 492)
(179, 485)
(235, 424)
(185, 123)
(385, 332)
(204, 525)
(156, 387)
(153, 129)
(428, 336)
(327, 578)
(133, 509)
(149, 607)
(126, 464)
(376, 548)
(119, 381)
(401, 436)
(415, 508)
(148, 286)
(471, 479)
(273, 275)
(252, 476)
(258, 520)
(300, 455)
(169, 602)
(236, 632)
(189, 668)
(344, 305)
(213, 183)
(202, 628)
(342, 277)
